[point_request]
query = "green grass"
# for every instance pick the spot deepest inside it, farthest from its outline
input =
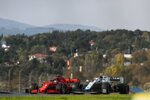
(69, 97)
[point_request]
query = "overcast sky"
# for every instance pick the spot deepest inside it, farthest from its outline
(105, 14)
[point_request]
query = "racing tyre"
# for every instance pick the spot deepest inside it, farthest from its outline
(63, 89)
(123, 89)
(105, 88)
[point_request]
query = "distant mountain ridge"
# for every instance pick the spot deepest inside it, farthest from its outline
(73, 27)
(10, 24)
(13, 27)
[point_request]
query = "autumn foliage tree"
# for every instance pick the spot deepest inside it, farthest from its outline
(118, 68)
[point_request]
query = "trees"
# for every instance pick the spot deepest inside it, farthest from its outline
(115, 70)
(118, 68)
(92, 64)
(139, 56)
(119, 59)
(39, 49)
(139, 74)
(110, 43)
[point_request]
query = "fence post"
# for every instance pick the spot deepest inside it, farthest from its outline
(30, 77)
(20, 80)
(9, 79)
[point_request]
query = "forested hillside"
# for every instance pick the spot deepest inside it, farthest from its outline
(89, 53)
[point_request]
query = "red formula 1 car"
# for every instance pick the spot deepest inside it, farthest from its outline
(59, 85)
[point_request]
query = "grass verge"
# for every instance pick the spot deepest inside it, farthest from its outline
(69, 97)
